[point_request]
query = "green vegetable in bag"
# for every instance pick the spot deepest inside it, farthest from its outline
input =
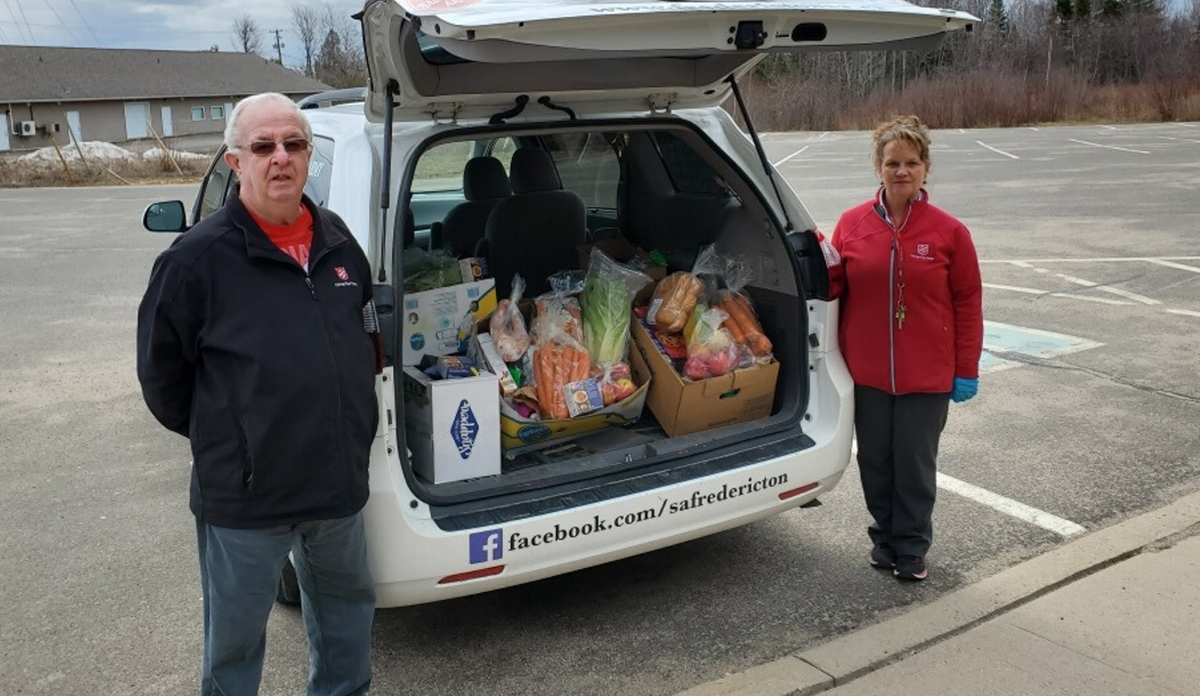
(606, 300)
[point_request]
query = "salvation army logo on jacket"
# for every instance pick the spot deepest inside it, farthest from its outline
(343, 278)
(464, 429)
(923, 253)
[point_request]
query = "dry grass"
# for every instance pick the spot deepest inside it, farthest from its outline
(159, 170)
(977, 100)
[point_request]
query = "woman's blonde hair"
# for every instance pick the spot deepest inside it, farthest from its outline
(906, 128)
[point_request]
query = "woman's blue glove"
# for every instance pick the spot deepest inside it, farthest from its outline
(964, 388)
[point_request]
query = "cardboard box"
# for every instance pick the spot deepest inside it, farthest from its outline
(683, 406)
(517, 433)
(433, 319)
(452, 425)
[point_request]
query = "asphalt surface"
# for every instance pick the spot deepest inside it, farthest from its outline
(98, 579)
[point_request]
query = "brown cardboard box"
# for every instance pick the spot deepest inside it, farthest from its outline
(619, 249)
(683, 406)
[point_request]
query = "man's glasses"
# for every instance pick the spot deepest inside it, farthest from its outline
(265, 148)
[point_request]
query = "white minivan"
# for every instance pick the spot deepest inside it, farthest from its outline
(624, 100)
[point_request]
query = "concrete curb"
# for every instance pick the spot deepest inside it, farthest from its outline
(852, 656)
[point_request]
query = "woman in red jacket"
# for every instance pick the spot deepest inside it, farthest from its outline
(911, 330)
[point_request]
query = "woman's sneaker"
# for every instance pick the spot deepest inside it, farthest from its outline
(882, 557)
(911, 568)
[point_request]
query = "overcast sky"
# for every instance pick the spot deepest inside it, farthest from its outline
(167, 24)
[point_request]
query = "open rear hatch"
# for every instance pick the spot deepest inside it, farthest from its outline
(455, 58)
(458, 60)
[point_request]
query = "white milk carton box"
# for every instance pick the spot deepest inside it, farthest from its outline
(452, 425)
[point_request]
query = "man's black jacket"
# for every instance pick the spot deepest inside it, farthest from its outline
(267, 369)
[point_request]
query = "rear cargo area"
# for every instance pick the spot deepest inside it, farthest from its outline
(673, 368)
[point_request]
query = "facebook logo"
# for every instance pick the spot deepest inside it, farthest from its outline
(487, 546)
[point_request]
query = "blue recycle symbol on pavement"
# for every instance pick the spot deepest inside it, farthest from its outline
(1036, 343)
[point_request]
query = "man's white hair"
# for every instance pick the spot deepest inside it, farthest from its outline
(233, 133)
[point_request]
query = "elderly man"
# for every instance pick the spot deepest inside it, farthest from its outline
(253, 342)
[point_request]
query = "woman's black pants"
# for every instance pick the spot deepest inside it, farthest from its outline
(897, 459)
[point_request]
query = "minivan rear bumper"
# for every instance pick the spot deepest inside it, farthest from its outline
(414, 561)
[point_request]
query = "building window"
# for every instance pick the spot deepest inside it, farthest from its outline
(197, 113)
(218, 113)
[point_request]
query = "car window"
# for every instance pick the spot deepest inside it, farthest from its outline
(216, 187)
(320, 171)
(441, 166)
(587, 165)
(688, 171)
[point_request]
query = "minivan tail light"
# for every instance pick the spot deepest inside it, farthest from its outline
(797, 491)
(472, 575)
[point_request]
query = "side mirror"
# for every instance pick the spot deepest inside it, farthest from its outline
(167, 216)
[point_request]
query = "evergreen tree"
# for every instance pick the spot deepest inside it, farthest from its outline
(1064, 11)
(998, 16)
(1112, 9)
(1083, 9)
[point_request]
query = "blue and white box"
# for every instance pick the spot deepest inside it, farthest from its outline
(452, 425)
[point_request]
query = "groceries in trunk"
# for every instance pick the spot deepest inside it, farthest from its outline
(607, 341)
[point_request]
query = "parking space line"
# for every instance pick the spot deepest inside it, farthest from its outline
(1002, 152)
(1121, 292)
(1083, 259)
(1013, 288)
(1109, 289)
(1108, 127)
(1035, 291)
(1110, 147)
(1184, 312)
(1101, 300)
(822, 135)
(790, 156)
(1021, 264)
(1008, 506)
(999, 503)
(1077, 281)
(1172, 264)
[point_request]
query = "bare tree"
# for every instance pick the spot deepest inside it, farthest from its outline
(341, 62)
(246, 35)
(307, 21)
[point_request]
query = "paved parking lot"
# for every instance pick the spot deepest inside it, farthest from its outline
(1091, 256)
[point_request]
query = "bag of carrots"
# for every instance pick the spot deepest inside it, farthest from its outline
(559, 357)
(726, 276)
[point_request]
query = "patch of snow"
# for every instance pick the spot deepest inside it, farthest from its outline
(93, 151)
(155, 153)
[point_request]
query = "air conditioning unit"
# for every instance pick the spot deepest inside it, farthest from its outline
(50, 128)
(28, 128)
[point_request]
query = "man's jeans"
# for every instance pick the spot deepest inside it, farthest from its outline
(239, 569)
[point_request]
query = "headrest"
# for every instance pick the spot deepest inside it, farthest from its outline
(484, 178)
(532, 170)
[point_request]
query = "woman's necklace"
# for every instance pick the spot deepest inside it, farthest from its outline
(901, 310)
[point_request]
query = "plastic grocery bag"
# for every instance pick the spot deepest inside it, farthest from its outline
(606, 301)
(507, 326)
(711, 350)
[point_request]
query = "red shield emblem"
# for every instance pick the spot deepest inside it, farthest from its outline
(341, 273)
(923, 249)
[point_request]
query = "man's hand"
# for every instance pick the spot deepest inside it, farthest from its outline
(964, 388)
